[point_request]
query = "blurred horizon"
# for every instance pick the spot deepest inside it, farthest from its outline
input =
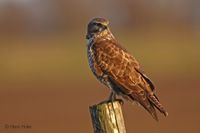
(45, 79)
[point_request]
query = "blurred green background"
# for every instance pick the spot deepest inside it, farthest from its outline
(45, 80)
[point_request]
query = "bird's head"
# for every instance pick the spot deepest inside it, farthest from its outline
(97, 26)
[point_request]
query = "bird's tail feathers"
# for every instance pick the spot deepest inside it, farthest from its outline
(148, 106)
(154, 100)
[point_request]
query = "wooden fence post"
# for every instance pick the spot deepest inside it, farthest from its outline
(107, 117)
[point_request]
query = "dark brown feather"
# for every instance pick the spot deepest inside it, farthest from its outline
(123, 69)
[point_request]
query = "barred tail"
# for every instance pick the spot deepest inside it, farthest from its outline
(152, 111)
(154, 100)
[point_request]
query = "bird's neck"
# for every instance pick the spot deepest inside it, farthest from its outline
(104, 35)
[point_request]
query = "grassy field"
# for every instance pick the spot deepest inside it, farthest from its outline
(46, 82)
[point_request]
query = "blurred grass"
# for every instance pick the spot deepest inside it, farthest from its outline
(64, 56)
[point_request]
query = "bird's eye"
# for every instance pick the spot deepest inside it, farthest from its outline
(98, 24)
(97, 27)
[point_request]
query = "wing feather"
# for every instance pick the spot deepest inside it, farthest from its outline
(124, 72)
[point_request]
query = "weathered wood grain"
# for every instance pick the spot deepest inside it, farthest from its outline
(107, 117)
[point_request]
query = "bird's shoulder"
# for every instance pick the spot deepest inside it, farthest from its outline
(109, 50)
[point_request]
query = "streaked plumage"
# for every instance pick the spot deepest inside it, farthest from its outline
(118, 69)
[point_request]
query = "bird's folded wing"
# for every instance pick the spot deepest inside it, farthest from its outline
(119, 65)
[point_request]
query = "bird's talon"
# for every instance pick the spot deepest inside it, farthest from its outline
(120, 101)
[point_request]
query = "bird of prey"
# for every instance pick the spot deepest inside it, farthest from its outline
(116, 68)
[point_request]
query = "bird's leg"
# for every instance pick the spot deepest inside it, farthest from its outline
(112, 96)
